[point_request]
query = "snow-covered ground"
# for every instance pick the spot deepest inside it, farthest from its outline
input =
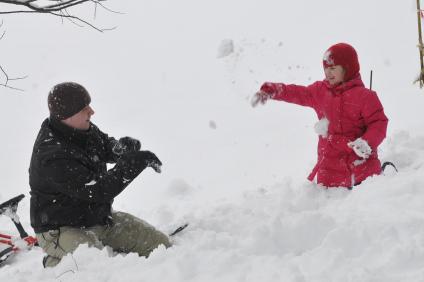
(179, 76)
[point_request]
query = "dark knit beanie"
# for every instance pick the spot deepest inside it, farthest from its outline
(67, 99)
(344, 55)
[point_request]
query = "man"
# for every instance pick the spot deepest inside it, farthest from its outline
(71, 189)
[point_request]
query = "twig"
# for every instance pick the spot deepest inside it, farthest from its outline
(420, 78)
(5, 84)
(107, 8)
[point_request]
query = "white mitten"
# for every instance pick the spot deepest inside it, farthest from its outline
(361, 148)
(321, 127)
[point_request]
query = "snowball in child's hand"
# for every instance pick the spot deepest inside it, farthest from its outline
(361, 148)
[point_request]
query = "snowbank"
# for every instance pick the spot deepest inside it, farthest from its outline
(291, 231)
(236, 174)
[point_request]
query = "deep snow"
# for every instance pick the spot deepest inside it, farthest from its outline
(168, 76)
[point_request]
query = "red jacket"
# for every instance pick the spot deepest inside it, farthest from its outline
(353, 111)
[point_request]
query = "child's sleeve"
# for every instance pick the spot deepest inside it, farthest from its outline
(291, 93)
(375, 121)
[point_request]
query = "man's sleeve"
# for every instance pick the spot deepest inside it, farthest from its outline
(71, 177)
(109, 143)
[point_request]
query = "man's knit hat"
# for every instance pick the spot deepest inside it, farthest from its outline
(344, 55)
(67, 99)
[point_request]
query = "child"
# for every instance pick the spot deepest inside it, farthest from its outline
(352, 120)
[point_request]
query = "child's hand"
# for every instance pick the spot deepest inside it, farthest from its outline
(260, 97)
(361, 148)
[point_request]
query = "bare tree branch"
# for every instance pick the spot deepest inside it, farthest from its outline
(107, 8)
(58, 8)
(4, 32)
(34, 6)
(95, 10)
(7, 79)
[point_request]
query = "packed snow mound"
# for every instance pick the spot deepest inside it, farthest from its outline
(291, 231)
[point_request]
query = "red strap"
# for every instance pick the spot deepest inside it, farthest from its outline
(5, 236)
(31, 241)
(7, 242)
(313, 173)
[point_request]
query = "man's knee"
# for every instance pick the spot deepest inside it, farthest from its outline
(58, 243)
(131, 234)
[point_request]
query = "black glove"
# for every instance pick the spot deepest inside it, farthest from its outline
(133, 163)
(125, 145)
(152, 161)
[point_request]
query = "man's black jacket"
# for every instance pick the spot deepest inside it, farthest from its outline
(70, 184)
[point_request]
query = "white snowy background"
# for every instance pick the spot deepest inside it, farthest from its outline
(179, 75)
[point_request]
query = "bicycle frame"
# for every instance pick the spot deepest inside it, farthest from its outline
(9, 209)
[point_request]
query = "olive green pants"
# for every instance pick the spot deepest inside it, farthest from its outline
(127, 234)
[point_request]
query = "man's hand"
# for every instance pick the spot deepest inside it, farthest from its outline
(361, 148)
(152, 161)
(260, 97)
(126, 145)
(130, 144)
(133, 163)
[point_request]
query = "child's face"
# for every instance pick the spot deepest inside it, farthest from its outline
(334, 74)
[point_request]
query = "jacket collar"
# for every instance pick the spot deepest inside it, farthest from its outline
(344, 86)
(72, 135)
